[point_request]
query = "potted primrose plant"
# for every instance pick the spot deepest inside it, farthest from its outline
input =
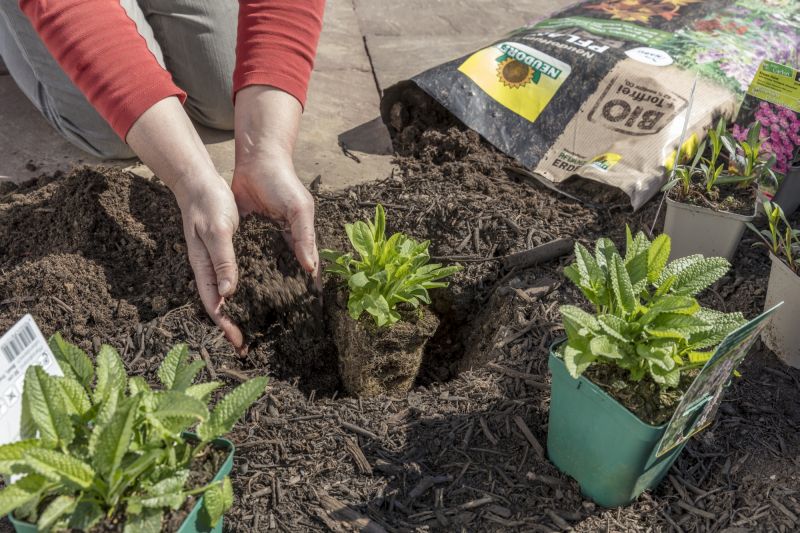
(781, 335)
(622, 369)
(102, 451)
(712, 198)
(380, 319)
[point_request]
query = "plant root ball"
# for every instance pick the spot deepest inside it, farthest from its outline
(374, 361)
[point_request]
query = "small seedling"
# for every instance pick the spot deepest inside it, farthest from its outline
(98, 444)
(747, 163)
(386, 272)
(646, 319)
(781, 239)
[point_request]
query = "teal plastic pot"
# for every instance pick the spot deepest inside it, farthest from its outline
(607, 449)
(196, 522)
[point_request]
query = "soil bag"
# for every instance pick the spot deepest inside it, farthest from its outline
(601, 89)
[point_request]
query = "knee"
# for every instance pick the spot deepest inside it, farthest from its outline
(102, 146)
(216, 112)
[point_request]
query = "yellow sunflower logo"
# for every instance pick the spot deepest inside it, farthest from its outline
(514, 74)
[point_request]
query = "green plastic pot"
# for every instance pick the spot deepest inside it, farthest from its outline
(196, 521)
(607, 449)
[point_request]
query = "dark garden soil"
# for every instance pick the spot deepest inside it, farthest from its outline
(731, 199)
(99, 255)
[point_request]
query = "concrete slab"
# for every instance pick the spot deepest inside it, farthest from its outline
(444, 18)
(343, 105)
(28, 145)
(396, 58)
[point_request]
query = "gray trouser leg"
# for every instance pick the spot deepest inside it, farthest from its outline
(43, 82)
(198, 38)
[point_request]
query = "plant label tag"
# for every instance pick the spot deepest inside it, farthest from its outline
(21, 346)
(700, 403)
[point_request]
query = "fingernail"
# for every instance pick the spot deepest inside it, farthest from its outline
(224, 287)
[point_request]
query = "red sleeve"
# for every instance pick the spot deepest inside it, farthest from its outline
(100, 49)
(276, 44)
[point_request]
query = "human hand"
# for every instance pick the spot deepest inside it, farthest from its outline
(264, 180)
(210, 218)
(271, 188)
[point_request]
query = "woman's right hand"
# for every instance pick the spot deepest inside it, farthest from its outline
(166, 141)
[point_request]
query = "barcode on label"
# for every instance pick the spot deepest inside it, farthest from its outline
(18, 342)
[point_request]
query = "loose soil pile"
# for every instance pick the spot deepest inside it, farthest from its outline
(99, 255)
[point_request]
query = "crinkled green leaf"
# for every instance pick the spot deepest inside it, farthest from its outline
(694, 273)
(171, 364)
(73, 361)
(13, 453)
(657, 257)
(577, 361)
(170, 485)
(173, 404)
(231, 408)
(105, 414)
(112, 379)
(60, 467)
(202, 391)
(115, 438)
(605, 346)
(146, 521)
(46, 405)
(186, 375)
(85, 515)
(77, 399)
(55, 511)
(21, 492)
(214, 502)
(621, 285)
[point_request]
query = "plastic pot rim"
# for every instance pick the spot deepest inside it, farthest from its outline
(586, 382)
(714, 212)
(220, 443)
(782, 264)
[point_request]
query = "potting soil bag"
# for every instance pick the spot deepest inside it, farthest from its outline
(601, 89)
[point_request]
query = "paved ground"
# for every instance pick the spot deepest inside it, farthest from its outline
(366, 46)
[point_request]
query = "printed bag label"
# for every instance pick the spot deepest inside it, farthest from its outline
(517, 76)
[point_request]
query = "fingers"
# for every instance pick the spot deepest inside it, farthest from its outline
(206, 277)
(219, 243)
(304, 238)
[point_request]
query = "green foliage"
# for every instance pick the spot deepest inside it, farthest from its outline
(746, 162)
(646, 317)
(108, 444)
(781, 239)
(386, 272)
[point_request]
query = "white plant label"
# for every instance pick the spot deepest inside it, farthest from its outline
(22, 346)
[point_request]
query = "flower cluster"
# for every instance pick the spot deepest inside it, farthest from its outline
(640, 10)
(780, 133)
(729, 44)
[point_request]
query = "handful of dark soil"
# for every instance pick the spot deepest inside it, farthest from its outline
(277, 306)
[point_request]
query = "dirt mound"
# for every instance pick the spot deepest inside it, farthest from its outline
(67, 293)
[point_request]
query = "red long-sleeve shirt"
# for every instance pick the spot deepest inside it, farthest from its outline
(100, 49)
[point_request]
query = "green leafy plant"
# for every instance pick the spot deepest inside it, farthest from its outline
(646, 320)
(780, 238)
(386, 272)
(98, 444)
(746, 162)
